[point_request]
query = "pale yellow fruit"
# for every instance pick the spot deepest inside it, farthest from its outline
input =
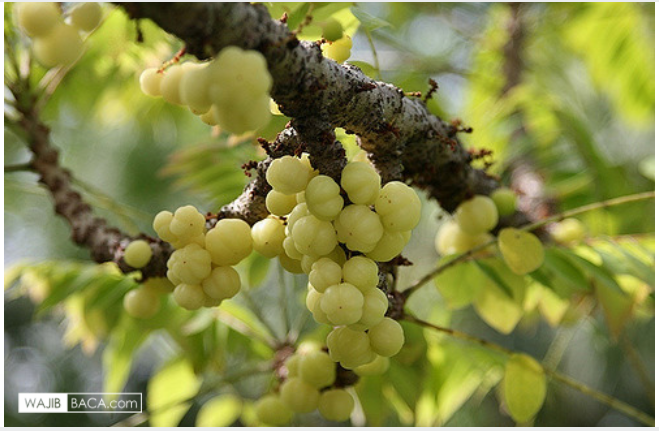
(61, 47)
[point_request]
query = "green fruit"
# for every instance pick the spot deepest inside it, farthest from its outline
(477, 215)
(272, 411)
(138, 253)
(522, 251)
(505, 201)
(86, 16)
(222, 283)
(387, 337)
(61, 47)
(317, 369)
(299, 396)
(342, 303)
(336, 405)
(189, 296)
(398, 206)
(569, 231)
(141, 303)
(38, 19)
(332, 30)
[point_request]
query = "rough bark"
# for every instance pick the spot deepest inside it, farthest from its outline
(403, 139)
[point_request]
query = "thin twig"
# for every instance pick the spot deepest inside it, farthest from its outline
(283, 300)
(605, 399)
(529, 227)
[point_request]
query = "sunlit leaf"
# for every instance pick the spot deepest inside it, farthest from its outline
(525, 387)
(221, 411)
(169, 393)
(460, 284)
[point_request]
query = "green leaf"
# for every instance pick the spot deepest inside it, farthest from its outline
(119, 354)
(552, 307)
(258, 267)
(169, 393)
(231, 311)
(368, 21)
(498, 309)
(567, 278)
(460, 284)
(493, 276)
(599, 274)
(524, 387)
(522, 251)
(221, 411)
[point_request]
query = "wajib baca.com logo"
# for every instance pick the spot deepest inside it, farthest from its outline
(80, 402)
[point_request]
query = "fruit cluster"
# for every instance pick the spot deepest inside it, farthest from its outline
(201, 267)
(311, 383)
(471, 225)
(57, 43)
(324, 221)
(231, 91)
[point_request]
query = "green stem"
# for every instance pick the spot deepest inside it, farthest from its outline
(529, 227)
(605, 399)
(376, 60)
(283, 301)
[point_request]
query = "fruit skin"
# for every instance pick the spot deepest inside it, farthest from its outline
(222, 283)
(170, 87)
(332, 30)
(569, 231)
(361, 272)
(138, 253)
(189, 296)
(374, 308)
(313, 236)
(323, 198)
(477, 215)
(317, 369)
(280, 204)
(229, 242)
(38, 19)
(390, 245)
(291, 265)
(339, 50)
(387, 337)
(194, 87)
(349, 347)
(272, 411)
(190, 265)
(505, 201)
(325, 273)
(336, 405)
(359, 228)
(398, 206)
(268, 237)
(150, 81)
(342, 303)
(299, 396)
(451, 239)
(361, 182)
(522, 251)
(378, 366)
(86, 16)
(61, 47)
(141, 303)
(288, 175)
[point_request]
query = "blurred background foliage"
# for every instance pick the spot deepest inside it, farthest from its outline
(565, 91)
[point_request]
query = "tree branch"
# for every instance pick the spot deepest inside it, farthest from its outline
(403, 139)
(106, 244)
